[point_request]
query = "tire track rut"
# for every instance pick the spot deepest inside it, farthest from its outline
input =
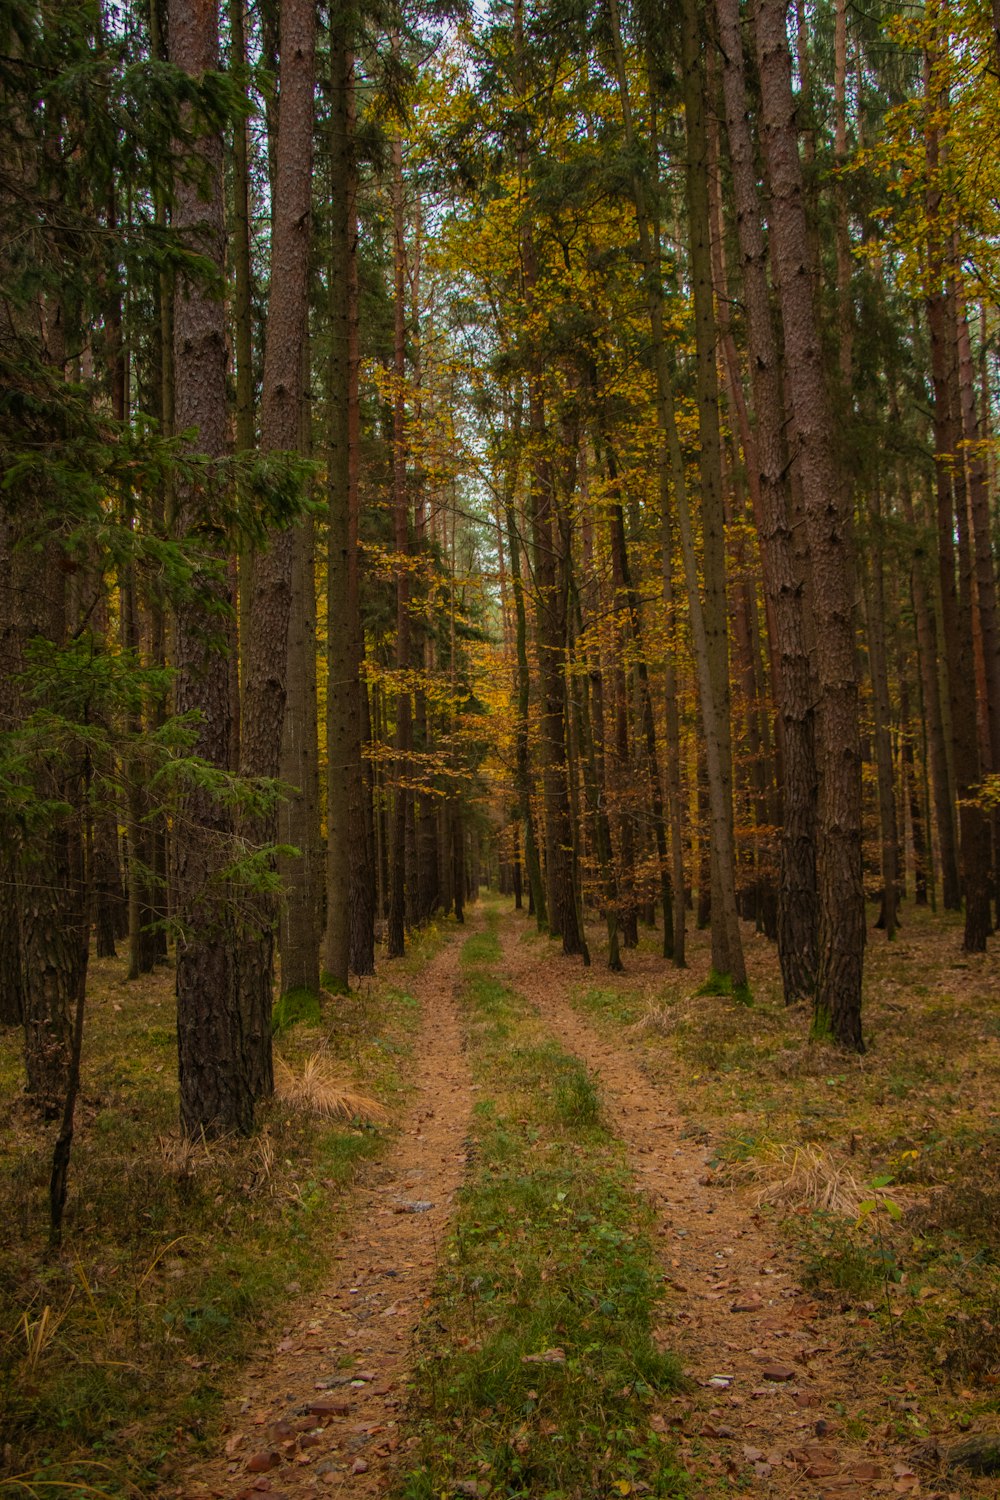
(768, 1366)
(301, 1423)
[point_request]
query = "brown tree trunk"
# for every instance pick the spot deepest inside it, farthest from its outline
(298, 815)
(522, 767)
(265, 687)
(342, 746)
(797, 905)
(882, 713)
(216, 1095)
(401, 530)
(714, 607)
(841, 886)
(363, 876)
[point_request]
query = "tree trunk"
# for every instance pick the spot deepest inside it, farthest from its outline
(265, 687)
(522, 767)
(841, 886)
(714, 607)
(882, 713)
(298, 816)
(797, 906)
(342, 748)
(401, 530)
(11, 981)
(216, 1096)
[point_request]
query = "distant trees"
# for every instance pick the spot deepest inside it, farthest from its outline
(762, 437)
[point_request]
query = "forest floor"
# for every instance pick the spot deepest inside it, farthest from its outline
(628, 1238)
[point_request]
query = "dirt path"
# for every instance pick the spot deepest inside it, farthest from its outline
(769, 1367)
(318, 1413)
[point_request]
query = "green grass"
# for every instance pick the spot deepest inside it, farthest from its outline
(550, 1255)
(618, 1005)
(176, 1258)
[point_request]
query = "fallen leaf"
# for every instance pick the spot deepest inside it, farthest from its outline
(259, 1463)
(330, 1406)
(821, 1468)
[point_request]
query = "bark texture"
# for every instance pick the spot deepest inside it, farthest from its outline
(783, 584)
(841, 887)
(265, 686)
(215, 1096)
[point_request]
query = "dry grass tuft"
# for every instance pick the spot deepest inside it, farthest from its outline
(317, 1091)
(661, 1020)
(802, 1177)
(183, 1158)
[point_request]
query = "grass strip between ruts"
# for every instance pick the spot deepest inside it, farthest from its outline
(539, 1365)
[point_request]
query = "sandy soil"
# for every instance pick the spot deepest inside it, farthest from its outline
(768, 1366)
(773, 1373)
(318, 1413)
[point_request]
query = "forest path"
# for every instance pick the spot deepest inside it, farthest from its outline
(317, 1414)
(772, 1371)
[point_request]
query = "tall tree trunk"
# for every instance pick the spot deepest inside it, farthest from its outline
(341, 683)
(714, 607)
(363, 894)
(401, 532)
(242, 341)
(11, 982)
(265, 687)
(522, 765)
(216, 1095)
(986, 618)
(882, 713)
(798, 911)
(298, 816)
(841, 885)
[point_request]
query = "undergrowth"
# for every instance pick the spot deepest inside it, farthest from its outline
(539, 1359)
(880, 1171)
(114, 1355)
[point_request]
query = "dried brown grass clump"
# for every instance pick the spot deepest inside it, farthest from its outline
(802, 1177)
(659, 1021)
(316, 1090)
(183, 1158)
